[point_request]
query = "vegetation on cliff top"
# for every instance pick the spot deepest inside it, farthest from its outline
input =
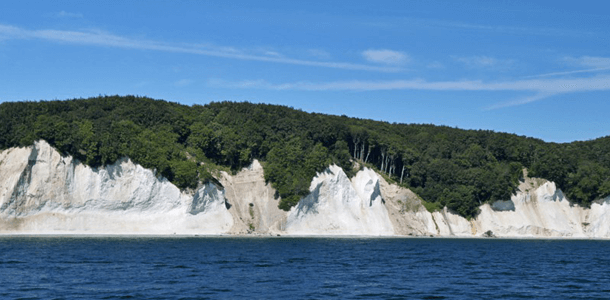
(460, 169)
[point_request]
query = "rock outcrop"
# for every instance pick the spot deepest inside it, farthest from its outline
(406, 212)
(43, 192)
(251, 202)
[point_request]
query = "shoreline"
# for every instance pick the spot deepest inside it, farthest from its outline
(288, 236)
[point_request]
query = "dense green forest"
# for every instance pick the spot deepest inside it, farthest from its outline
(460, 169)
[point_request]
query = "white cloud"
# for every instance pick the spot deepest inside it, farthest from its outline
(265, 51)
(482, 61)
(65, 14)
(273, 53)
(99, 38)
(385, 56)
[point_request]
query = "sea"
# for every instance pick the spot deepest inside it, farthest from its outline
(80, 267)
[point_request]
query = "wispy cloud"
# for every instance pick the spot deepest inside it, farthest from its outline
(273, 53)
(385, 56)
(592, 63)
(183, 82)
(589, 61)
(542, 31)
(552, 74)
(100, 38)
(485, 62)
(542, 88)
(494, 29)
(319, 53)
(535, 85)
(520, 101)
(65, 14)
(435, 65)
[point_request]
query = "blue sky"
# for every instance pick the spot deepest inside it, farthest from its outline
(534, 68)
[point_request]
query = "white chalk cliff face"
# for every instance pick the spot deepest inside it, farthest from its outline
(338, 206)
(42, 192)
(540, 209)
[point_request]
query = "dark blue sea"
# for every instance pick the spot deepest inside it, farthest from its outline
(301, 268)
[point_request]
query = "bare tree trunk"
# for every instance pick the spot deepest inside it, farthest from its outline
(387, 164)
(386, 160)
(362, 151)
(367, 155)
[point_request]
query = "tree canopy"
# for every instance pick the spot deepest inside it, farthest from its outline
(460, 169)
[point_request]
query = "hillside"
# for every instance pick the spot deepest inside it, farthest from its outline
(460, 169)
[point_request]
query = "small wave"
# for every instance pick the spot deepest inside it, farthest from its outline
(434, 297)
(181, 267)
(263, 265)
(11, 262)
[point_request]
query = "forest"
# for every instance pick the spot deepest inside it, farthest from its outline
(459, 169)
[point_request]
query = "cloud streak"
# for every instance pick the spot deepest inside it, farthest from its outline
(589, 61)
(542, 88)
(65, 14)
(514, 30)
(568, 73)
(521, 101)
(183, 82)
(485, 62)
(600, 83)
(592, 63)
(103, 39)
(385, 56)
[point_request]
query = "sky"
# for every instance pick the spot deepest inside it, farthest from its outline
(533, 68)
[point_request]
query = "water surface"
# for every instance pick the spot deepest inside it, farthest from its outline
(301, 268)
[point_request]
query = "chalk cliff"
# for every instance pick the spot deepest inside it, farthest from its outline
(251, 202)
(338, 206)
(43, 192)
(540, 209)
